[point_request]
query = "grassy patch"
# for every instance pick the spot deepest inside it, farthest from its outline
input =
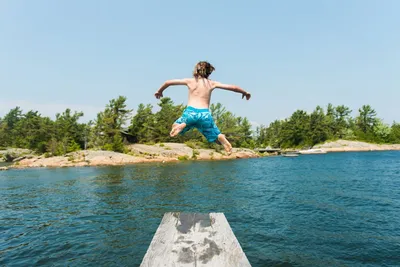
(195, 154)
(191, 144)
(211, 155)
(183, 158)
(261, 154)
(218, 148)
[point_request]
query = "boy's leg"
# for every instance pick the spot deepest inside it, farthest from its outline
(211, 132)
(225, 143)
(177, 128)
(179, 125)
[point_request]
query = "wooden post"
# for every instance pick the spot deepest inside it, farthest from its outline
(194, 239)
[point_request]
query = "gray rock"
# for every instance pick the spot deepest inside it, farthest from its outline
(19, 158)
(11, 154)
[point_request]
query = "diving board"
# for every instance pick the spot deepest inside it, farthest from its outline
(194, 239)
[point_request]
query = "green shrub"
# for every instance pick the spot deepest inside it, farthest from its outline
(108, 147)
(73, 146)
(118, 144)
(185, 157)
(195, 154)
(191, 144)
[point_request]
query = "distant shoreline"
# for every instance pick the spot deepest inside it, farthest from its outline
(355, 146)
(170, 152)
(139, 153)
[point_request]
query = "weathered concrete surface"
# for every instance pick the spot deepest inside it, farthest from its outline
(194, 239)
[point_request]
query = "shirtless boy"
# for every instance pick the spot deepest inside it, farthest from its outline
(197, 113)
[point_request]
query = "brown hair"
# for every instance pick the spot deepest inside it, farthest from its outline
(203, 69)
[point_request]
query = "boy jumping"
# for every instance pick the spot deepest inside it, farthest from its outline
(197, 113)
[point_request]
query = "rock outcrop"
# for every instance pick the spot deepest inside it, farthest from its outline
(138, 153)
(345, 145)
(15, 154)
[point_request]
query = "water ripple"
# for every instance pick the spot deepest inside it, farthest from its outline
(327, 210)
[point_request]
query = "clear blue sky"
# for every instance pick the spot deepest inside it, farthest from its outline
(289, 54)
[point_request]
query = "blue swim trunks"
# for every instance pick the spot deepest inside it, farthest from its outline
(200, 119)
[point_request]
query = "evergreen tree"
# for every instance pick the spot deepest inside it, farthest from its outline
(160, 127)
(69, 133)
(342, 120)
(366, 119)
(109, 123)
(140, 122)
(294, 131)
(394, 136)
(319, 130)
(32, 131)
(8, 123)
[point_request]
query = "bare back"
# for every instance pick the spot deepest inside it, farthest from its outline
(200, 90)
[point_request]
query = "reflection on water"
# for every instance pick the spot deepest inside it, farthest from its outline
(319, 210)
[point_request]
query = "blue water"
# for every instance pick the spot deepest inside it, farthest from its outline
(338, 209)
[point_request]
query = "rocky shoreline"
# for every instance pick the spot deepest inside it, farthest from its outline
(138, 153)
(162, 153)
(355, 146)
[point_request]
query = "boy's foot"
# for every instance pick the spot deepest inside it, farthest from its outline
(176, 129)
(228, 149)
(225, 143)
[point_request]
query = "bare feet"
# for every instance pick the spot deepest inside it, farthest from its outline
(176, 129)
(225, 143)
(228, 148)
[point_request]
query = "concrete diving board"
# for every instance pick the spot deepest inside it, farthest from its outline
(194, 239)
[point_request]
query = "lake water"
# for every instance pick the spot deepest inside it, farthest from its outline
(337, 209)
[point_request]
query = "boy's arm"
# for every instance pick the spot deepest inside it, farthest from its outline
(232, 88)
(168, 83)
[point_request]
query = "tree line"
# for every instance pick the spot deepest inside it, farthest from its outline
(112, 129)
(116, 126)
(306, 130)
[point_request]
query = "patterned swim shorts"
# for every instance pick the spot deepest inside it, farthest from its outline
(200, 119)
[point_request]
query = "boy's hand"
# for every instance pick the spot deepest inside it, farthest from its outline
(247, 95)
(158, 94)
